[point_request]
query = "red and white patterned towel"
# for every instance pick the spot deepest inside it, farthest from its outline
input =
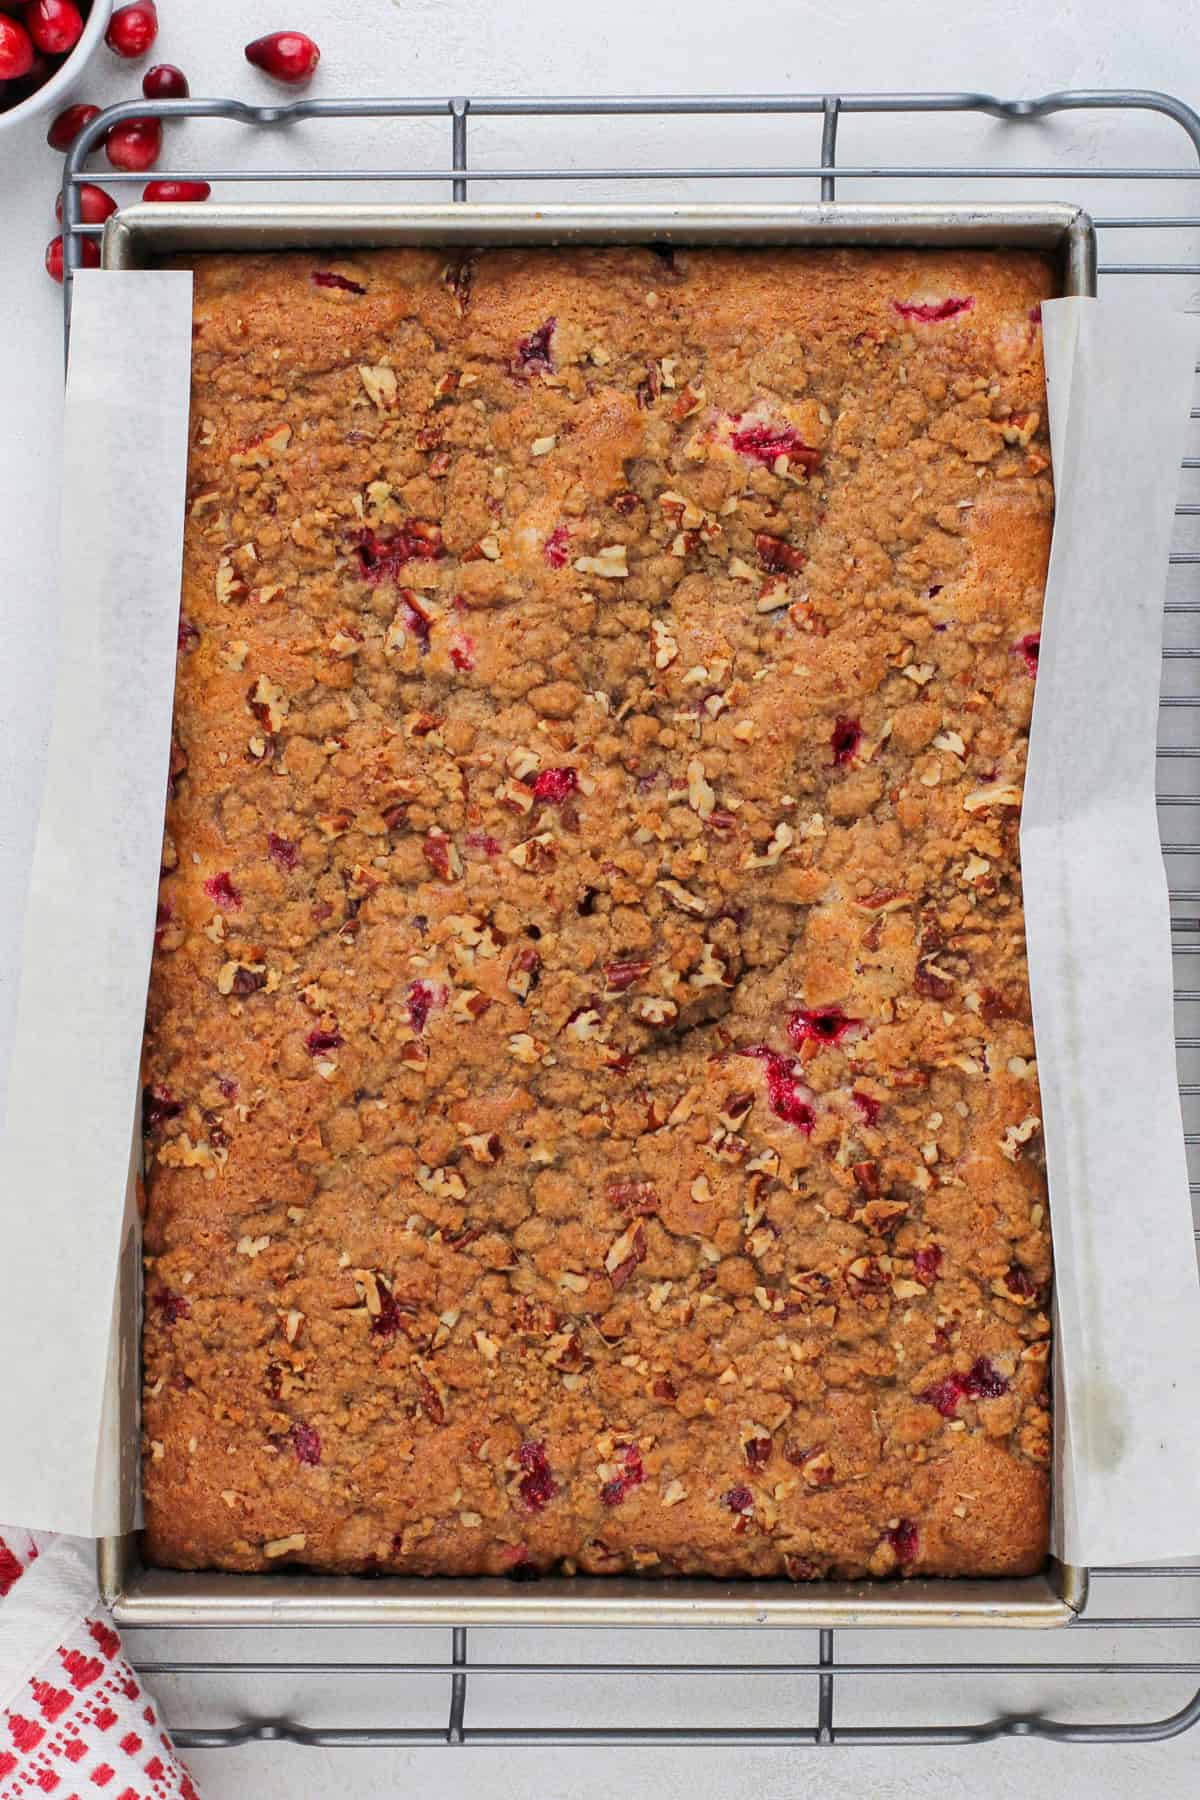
(75, 1721)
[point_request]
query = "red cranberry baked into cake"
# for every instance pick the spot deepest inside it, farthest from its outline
(591, 1112)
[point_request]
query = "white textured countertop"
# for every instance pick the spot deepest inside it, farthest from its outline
(436, 47)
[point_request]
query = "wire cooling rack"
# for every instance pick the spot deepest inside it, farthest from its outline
(1126, 1670)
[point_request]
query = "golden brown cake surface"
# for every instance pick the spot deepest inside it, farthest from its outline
(591, 1112)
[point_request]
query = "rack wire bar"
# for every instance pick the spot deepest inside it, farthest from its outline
(829, 1671)
(818, 1664)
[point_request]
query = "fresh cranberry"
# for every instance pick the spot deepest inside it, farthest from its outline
(94, 204)
(381, 558)
(556, 549)
(282, 851)
(738, 1500)
(632, 1475)
(777, 555)
(552, 786)
(1018, 1281)
(134, 144)
(16, 49)
(176, 190)
(248, 981)
(1035, 314)
(984, 1380)
(844, 740)
(54, 25)
(172, 1306)
(329, 278)
(317, 1043)
(68, 124)
(903, 1539)
(945, 1395)
(1028, 648)
(789, 1100)
(221, 889)
(37, 75)
(386, 1322)
(824, 1025)
(132, 29)
(416, 619)
(932, 312)
(786, 1096)
(462, 652)
(424, 997)
(89, 249)
(227, 1085)
(158, 1105)
(757, 1452)
(306, 1442)
(536, 1487)
(981, 1382)
(867, 1105)
(763, 442)
(165, 82)
(285, 55)
(927, 1263)
(483, 840)
(533, 352)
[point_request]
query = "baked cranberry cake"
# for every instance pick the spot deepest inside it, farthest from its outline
(591, 1113)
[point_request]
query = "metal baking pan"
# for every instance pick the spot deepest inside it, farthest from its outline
(139, 236)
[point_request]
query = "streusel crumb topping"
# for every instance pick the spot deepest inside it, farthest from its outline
(591, 1111)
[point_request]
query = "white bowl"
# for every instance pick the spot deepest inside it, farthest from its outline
(55, 93)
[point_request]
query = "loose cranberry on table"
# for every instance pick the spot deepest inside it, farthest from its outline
(54, 25)
(134, 144)
(176, 190)
(54, 256)
(94, 205)
(16, 49)
(165, 82)
(132, 29)
(68, 124)
(285, 55)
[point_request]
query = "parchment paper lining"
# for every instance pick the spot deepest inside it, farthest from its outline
(1127, 1456)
